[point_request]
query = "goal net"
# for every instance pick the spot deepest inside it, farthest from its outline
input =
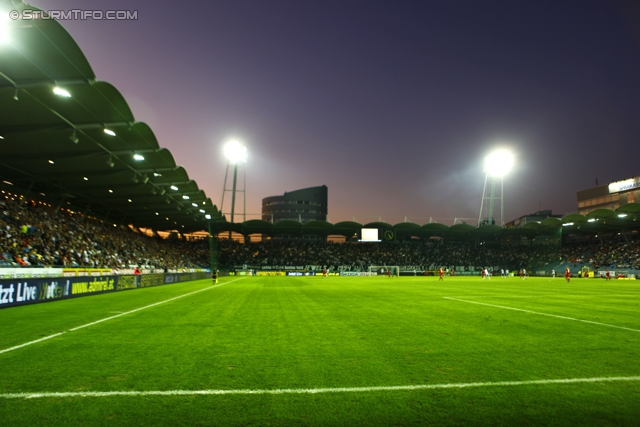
(381, 270)
(586, 272)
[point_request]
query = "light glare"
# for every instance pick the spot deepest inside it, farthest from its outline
(4, 28)
(61, 92)
(498, 163)
(235, 152)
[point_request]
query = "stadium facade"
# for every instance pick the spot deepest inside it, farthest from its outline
(609, 196)
(305, 205)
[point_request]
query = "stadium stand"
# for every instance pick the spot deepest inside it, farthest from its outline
(616, 254)
(33, 234)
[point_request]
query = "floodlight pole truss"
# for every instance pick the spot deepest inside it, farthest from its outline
(487, 214)
(233, 190)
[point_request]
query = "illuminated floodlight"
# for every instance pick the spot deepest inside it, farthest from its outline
(498, 163)
(201, 210)
(207, 216)
(567, 224)
(174, 188)
(496, 166)
(61, 92)
(622, 215)
(235, 152)
(138, 157)
(591, 220)
(185, 197)
(109, 132)
(195, 205)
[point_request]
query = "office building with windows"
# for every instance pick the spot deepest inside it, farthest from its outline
(609, 196)
(305, 205)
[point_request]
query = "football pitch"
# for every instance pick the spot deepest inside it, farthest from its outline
(260, 351)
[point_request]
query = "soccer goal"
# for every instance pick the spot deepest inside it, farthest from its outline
(586, 272)
(381, 270)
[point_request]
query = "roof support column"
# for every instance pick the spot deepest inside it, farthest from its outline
(87, 211)
(59, 206)
(26, 193)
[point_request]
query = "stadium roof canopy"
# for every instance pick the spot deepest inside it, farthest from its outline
(624, 219)
(71, 140)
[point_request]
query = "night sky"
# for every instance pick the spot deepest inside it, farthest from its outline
(391, 104)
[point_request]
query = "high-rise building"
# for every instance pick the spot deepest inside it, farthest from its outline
(307, 204)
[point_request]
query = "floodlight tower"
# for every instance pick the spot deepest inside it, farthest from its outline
(496, 166)
(236, 154)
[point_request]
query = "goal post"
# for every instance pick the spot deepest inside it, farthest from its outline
(381, 270)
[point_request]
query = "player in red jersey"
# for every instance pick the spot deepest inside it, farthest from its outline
(388, 272)
(324, 272)
(608, 275)
(567, 274)
(441, 272)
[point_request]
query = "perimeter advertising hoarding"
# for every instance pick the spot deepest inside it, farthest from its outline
(21, 291)
(28, 291)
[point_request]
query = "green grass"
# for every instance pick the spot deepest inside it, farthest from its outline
(271, 333)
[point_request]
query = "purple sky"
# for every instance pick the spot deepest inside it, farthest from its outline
(391, 104)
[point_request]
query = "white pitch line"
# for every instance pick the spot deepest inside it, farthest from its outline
(311, 390)
(6, 350)
(543, 314)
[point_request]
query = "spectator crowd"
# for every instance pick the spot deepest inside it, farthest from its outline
(418, 254)
(32, 234)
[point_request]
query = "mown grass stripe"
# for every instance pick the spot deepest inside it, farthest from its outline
(6, 350)
(41, 395)
(542, 314)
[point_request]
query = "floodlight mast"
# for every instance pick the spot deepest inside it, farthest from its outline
(496, 165)
(235, 153)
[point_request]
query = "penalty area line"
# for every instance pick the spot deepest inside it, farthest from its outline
(6, 350)
(543, 314)
(41, 395)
